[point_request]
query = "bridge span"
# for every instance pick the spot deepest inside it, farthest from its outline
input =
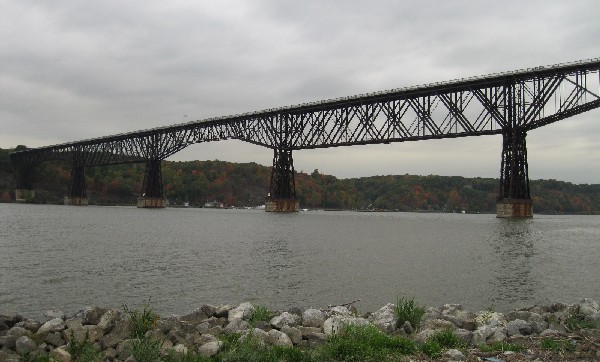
(509, 103)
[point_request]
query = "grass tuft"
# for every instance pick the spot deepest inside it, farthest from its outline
(432, 349)
(141, 321)
(261, 313)
(557, 345)
(146, 349)
(407, 310)
(83, 351)
(576, 321)
(363, 343)
(446, 339)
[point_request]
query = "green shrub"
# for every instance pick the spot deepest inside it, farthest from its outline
(35, 357)
(576, 321)
(432, 349)
(363, 343)
(260, 314)
(141, 321)
(557, 345)
(250, 349)
(146, 349)
(408, 311)
(446, 339)
(83, 351)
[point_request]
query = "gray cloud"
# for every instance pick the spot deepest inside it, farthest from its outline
(74, 70)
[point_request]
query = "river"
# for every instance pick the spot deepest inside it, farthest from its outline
(175, 259)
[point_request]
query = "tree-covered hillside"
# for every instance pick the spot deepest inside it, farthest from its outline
(247, 184)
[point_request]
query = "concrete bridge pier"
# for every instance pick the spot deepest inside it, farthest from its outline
(77, 188)
(152, 192)
(514, 199)
(282, 191)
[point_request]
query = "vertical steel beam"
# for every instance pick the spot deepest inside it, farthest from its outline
(77, 194)
(514, 199)
(152, 191)
(282, 190)
(24, 191)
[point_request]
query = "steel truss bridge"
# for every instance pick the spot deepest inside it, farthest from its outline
(510, 103)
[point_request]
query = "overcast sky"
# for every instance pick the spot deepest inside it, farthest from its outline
(72, 70)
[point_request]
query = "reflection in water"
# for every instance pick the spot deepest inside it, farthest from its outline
(515, 251)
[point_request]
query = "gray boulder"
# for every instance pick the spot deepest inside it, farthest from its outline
(278, 338)
(53, 314)
(29, 324)
(456, 314)
(55, 339)
(223, 310)
(385, 318)
(18, 332)
(8, 342)
(210, 349)
(482, 333)
(588, 307)
(518, 327)
(60, 355)
(455, 355)
(25, 345)
(464, 335)
(108, 320)
(313, 318)
(53, 325)
(237, 325)
(196, 317)
(333, 324)
(316, 339)
(285, 318)
(93, 315)
(294, 334)
(209, 310)
(243, 311)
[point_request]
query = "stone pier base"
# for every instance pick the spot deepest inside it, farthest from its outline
(514, 208)
(76, 201)
(24, 195)
(282, 205)
(152, 202)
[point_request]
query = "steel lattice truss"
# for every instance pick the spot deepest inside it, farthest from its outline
(498, 103)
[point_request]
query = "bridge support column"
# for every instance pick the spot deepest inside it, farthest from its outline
(282, 191)
(514, 199)
(152, 193)
(24, 191)
(77, 190)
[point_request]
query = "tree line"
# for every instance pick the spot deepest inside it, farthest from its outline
(246, 184)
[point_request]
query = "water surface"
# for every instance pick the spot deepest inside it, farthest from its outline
(70, 257)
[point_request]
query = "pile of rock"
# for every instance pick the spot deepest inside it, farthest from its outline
(110, 330)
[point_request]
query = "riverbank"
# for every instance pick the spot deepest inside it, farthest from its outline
(401, 331)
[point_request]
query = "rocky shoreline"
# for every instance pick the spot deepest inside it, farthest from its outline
(111, 331)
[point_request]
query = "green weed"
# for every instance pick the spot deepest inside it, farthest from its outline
(83, 351)
(432, 349)
(557, 345)
(141, 321)
(407, 310)
(260, 314)
(146, 349)
(35, 357)
(363, 343)
(576, 321)
(446, 339)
